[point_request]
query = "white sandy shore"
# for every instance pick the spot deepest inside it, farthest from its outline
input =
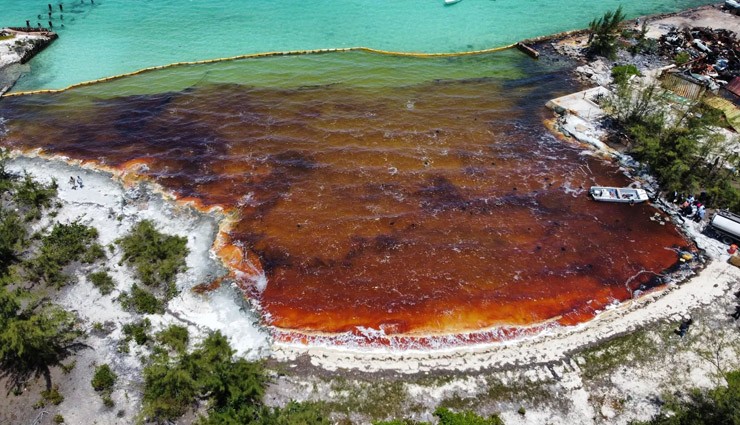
(551, 346)
(104, 203)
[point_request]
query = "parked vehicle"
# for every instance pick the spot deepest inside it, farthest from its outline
(726, 225)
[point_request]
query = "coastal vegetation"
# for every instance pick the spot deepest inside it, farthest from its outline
(103, 281)
(65, 244)
(717, 406)
(678, 142)
(34, 334)
(103, 381)
(156, 258)
(447, 417)
(604, 32)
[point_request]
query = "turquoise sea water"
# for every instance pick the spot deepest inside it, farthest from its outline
(117, 36)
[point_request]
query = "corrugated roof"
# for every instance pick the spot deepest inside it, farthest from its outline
(731, 111)
(683, 87)
(734, 86)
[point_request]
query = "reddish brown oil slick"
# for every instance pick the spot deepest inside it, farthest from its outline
(437, 209)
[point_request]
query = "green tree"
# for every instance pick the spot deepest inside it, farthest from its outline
(35, 196)
(603, 34)
(169, 390)
(679, 143)
(12, 239)
(31, 342)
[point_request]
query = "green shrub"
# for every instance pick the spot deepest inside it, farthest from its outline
(234, 388)
(104, 378)
(108, 401)
(699, 407)
(31, 341)
(622, 73)
(175, 337)
(66, 243)
(35, 196)
(447, 417)
(682, 58)
(156, 257)
(141, 301)
(53, 395)
(168, 390)
(67, 368)
(58, 419)
(102, 281)
(138, 331)
(94, 253)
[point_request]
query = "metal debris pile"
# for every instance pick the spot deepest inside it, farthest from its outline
(711, 57)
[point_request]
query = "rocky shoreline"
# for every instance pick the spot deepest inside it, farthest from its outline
(17, 47)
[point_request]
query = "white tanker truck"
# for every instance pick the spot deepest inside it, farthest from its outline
(727, 226)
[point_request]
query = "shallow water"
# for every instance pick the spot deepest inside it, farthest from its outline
(380, 204)
(118, 36)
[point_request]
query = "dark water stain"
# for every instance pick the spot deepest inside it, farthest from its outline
(456, 214)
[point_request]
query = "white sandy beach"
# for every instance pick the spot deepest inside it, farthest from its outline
(104, 203)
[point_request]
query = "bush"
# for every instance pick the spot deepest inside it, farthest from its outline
(104, 378)
(622, 73)
(138, 331)
(35, 196)
(156, 257)
(718, 406)
(446, 417)
(30, 342)
(58, 419)
(142, 301)
(234, 387)
(53, 395)
(66, 243)
(94, 253)
(681, 58)
(12, 239)
(108, 401)
(175, 337)
(102, 281)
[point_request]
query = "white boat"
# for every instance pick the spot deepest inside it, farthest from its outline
(449, 2)
(625, 195)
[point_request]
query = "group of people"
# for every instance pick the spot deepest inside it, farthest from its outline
(75, 183)
(691, 207)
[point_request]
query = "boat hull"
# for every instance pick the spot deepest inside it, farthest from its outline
(621, 195)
